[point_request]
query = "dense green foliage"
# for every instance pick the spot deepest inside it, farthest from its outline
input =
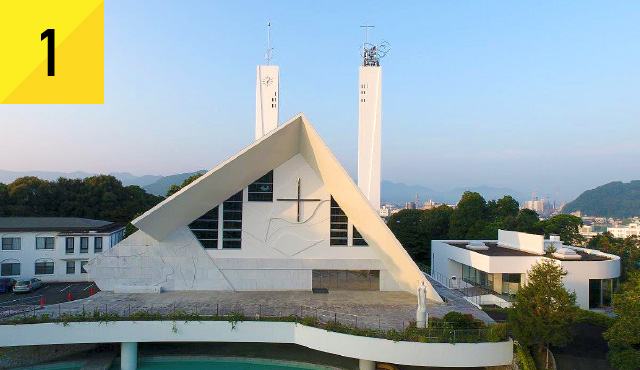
(99, 197)
(615, 199)
(474, 218)
(544, 310)
(624, 334)
(628, 249)
(176, 188)
(524, 358)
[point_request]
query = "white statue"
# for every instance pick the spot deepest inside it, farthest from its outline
(421, 312)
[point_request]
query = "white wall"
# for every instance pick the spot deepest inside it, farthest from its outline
(369, 133)
(28, 254)
(446, 260)
(372, 349)
(267, 99)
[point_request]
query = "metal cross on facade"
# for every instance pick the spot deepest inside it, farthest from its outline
(299, 200)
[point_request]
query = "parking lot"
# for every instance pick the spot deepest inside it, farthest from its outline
(51, 292)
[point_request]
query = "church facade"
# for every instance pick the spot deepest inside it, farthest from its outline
(282, 214)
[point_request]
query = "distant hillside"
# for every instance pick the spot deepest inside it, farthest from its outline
(129, 179)
(161, 186)
(615, 199)
(7, 177)
(399, 193)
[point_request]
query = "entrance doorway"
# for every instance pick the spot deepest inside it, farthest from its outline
(346, 280)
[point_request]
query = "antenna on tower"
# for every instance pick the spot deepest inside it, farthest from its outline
(267, 55)
(371, 53)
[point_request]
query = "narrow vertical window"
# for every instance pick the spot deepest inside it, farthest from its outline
(84, 244)
(69, 245)
(97, 244)
(339, 225)
(232, 222)
(71, 267)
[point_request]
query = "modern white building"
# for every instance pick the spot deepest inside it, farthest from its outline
(492, 271)
(633, 229)
(53, 248)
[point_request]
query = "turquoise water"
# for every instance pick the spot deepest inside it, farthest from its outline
(217, 365)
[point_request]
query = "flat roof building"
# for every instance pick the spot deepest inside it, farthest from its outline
(492, 271)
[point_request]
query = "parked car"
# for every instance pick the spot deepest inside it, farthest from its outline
(6, 284)
(26, 286)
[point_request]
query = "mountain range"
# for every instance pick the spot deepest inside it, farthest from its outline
(391, 192)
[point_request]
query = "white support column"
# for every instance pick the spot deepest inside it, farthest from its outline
(129, 356)
(366, 365)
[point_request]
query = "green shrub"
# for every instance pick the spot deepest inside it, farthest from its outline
(596, 318)
(524, 358)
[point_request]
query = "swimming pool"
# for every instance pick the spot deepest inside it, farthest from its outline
(220, 364)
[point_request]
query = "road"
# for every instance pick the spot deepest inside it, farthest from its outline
(51, 292)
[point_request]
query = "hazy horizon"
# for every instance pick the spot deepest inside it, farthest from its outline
(503, 94)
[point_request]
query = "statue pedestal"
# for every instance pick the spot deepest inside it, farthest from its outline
(422, 318)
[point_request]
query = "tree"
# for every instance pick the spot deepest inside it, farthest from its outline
(469, 219)
(566, 226)
(628, 249)
(99, 197)
(415, 229)
(176, 188)
(544, 310)
(624, 336)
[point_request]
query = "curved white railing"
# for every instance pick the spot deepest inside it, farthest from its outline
(359, 347)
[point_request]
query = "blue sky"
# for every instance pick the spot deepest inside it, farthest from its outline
(529, 95)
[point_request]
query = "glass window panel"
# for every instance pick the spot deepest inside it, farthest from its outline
(97, 244)
(69, 245)
(84, 244)
(10, 269)
(205, 229)
(44, 267)
(358, 239)
(595, 293)
(71, 267)
(262, 189)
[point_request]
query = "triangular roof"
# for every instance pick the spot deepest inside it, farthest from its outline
(297, 136)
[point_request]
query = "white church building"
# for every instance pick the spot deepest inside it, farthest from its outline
(281, 214)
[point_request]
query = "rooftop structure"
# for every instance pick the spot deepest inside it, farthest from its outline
(492, 271)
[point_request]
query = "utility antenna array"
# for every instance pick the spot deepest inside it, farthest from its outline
(267, 55)
(371, 53)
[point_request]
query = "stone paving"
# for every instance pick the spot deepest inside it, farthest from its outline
(384, 310)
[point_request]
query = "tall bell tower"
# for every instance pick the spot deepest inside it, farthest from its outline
(370, 120)
(267, 93)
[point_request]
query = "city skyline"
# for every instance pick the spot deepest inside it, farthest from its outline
(503, 94)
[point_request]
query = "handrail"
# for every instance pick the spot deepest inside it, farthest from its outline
(331, 320)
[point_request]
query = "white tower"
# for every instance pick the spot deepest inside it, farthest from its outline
(369, 121)
(267, 93)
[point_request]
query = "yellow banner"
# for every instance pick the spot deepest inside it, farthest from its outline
(52, 52)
